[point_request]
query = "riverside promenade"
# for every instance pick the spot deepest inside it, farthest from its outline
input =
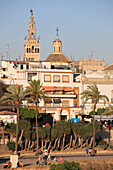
(29, 158)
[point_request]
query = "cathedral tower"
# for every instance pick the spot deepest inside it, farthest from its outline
(32, 45)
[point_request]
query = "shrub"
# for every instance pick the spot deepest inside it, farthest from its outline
(11, 145)
(66, 166)
(102, 142)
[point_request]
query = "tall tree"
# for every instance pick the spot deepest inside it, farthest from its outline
(14, 94)
(93, 94)
(34, 93)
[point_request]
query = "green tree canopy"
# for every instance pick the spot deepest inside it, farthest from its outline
(29, 113)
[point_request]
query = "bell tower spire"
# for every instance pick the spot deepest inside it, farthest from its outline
(57, 44)
(32, 28)
(32, 45)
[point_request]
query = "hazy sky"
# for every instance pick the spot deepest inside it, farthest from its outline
(84, 26)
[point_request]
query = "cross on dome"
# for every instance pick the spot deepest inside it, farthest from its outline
(57, 31)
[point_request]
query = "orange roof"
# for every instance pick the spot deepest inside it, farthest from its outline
(109, 67)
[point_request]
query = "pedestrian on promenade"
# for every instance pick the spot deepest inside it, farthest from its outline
(87, 151)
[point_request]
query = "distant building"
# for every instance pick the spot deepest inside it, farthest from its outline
(86, 65)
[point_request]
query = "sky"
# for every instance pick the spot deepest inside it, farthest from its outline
(85, 27)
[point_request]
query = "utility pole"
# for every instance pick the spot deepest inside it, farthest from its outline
(8, 50)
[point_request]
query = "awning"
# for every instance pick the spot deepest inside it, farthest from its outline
(53, 88)
(48, 100)
(67, 88)
(57, 100)
(56, 88)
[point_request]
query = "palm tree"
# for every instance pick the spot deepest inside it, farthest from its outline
(14, 94)
(92, 93)
(34, 93)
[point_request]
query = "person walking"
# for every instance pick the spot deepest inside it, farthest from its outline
(87, 151)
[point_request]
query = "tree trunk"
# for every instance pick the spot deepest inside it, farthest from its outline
(29, 144)
(42, 144)
(37, 140)
(26, 141)
(75, 140)
(81, 141)
(3, 136)
(11, 137)
(70, 144)
(46, 144)
(91, 142)
(32, 145)
(55, 143)
(59, 142)
(63, 141)
(16, 143)
(20, 138)
(86, 142)
(94, 126)
(49, 145)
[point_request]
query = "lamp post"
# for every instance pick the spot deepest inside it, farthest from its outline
(8, 51)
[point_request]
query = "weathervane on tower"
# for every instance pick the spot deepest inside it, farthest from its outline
(31, 11)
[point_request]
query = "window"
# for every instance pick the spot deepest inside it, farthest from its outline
(32, 35)
(56, 48)
(27, 50)
(65, 78)
(56, 78)
(47, 78)
(27, 66)
(76, 103)
(32, 49)
(21, 66)
(65, 103)
(59, 48)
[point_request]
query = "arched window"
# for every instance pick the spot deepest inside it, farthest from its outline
(59, 48)
(32, 49)
(35, 50)
(27, 50)
(38, 50)
(32, 35)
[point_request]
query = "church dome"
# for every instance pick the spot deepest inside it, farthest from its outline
(57, 57)
(57, 40)
(57, 51)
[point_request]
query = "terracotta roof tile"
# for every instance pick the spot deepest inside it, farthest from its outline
(57, 57)
(109, 67)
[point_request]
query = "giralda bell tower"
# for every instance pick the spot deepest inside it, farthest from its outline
(31, 45)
